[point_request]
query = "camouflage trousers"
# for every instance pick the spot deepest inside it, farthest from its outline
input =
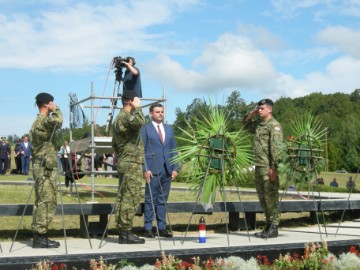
(268, 194)
(45, 197)
(130, 189)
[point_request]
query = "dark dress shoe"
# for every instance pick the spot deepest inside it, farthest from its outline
(273, 232)
(149, 234)
(127, 237)
(260, 234)
(41, 241)
(263, 232)
(165, 233)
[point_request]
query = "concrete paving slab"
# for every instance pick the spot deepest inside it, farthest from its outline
(346, 231)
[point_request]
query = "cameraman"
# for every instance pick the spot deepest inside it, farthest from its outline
(132, 79)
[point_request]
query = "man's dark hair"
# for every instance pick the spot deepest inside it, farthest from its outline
(43, 98)
(151, 109)
(125, 101)
(132, 58)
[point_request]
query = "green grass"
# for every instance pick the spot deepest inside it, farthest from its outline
(341, 178)
(19, 194)
(12, 194)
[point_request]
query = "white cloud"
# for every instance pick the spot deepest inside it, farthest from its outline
(230, 62)
(340, 75)
(261, 36)
(75, 35)
(235, 62)
(81, 35)
(290, 8)
(352, 8)
(345, 39)
(325, 8)
(300, 58)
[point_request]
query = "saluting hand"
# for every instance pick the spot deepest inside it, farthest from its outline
(252, 114)
(136, 102)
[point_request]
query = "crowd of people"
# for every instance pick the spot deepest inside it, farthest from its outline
(350, 184)
(22, 156)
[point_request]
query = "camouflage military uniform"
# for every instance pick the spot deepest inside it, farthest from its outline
(44, 169)
(130, 154)
(267, 147)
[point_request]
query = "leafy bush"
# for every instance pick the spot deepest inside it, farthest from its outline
(316, 256)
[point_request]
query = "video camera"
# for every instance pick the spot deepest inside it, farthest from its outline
(118, 59)
(118, 65)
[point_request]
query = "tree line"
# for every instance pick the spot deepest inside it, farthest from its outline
(338, 112)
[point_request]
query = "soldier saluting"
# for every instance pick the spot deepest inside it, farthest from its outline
(267, 147)
(45, 171)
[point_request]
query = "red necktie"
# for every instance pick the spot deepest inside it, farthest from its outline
(160, 134)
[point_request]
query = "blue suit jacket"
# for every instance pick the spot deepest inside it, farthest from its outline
(158, 155)
(27, 152)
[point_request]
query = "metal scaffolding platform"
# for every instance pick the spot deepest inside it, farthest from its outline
(99, 145)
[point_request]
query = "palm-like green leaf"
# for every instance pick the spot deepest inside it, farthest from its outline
(199, 157)
(309, 126)
(305, 149)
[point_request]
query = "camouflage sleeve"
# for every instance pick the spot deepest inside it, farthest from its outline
(55, 119)
(276, 140)
(250, 125)
(136, 121)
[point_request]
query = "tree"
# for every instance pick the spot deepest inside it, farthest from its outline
(237, 109)
(284, 110)
(195, 110)
(348, 144)
(355, 96)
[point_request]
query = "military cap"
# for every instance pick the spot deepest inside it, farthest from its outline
(129, 94)
(44, 98)
(266, 101)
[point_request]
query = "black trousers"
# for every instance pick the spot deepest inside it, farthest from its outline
(18, 164)
(3, 165)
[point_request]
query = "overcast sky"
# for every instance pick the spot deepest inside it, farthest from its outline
(195, 48)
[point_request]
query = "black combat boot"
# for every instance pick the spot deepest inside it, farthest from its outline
(263, 232)
(41, 241)
(127, 237)
(273, 232)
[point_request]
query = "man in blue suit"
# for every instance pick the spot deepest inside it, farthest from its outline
(25, 155)
(160, 147)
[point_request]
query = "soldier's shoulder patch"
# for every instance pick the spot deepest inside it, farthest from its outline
(277, 128)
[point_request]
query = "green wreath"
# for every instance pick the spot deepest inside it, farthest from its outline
(211, 156)
(303, 158)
